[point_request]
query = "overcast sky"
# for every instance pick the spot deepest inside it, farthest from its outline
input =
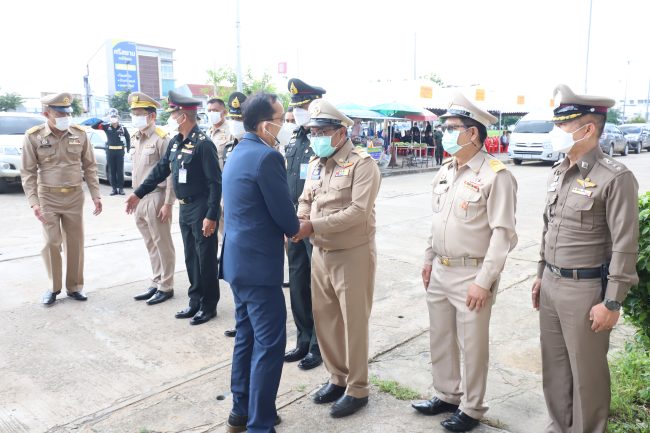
(511, 46)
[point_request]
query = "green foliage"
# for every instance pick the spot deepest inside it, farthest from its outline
(10, 101)
(162, 115)
(77, 107)
(120, 101)
(395, 389)
(637, 304)
(614, 116)
(224, 80)
(433, 77)
(630, 406)
(637, 119)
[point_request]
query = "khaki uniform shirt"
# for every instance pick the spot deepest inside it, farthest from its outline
(339, 198)
(220, 137)
(57, 162)
(474, 215)
(591, 218)
(149, 146)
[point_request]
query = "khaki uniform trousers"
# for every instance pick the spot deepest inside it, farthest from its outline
(454, 329)
(63, 212)
(575, 373)
(342, 286)
(158, 240)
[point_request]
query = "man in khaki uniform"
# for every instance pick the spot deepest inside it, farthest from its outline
(55, 156)
(473, 229)
(587, 264)
(153, 215)
(220, 135)
(337, 209)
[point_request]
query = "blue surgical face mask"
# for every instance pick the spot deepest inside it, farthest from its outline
(322, 146)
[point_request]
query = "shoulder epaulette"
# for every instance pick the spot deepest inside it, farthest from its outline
(161, 132)
(314, 158)
(79, 127)
(33, 129)
(361, 152)
(496, 165)
(612, 165)
(447, 161)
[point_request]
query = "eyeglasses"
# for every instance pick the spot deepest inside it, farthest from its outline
(321, 132)
(452, 128)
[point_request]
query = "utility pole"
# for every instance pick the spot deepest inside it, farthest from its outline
(647, 101)
(627, 76)
(415, 55)
(237, 27)
(591, 3)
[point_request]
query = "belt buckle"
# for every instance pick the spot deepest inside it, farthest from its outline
(65, 190)
(444, 261)
(556, 270)
(181, 201)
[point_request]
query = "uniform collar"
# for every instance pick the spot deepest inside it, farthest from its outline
(146, 132)
(343, 150)
(475, 163)
(589, 159)
(47, 131)
(222, 127)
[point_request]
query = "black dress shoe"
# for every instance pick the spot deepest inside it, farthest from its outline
(237, 423)
(459, 422)
(328, 393)
(114, 192)
(77, 296)
(347, 405)
(159, 297)
(121, 191)
(202, 317)
(312, 360)
(296, 354)
(434, 406)
(146, 295)
(186, 313)
(230, 332)
(48, 298)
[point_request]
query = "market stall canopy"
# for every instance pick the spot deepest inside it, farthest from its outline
(359, 111)
(404, 111)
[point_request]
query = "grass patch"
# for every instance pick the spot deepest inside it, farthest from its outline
(630, 407)
(301, 388)
(395, 389)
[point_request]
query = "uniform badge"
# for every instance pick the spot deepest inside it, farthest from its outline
(344, 164)
(582, 191)
(473, 185)
(179, 156)
(587, 183)
(464, 205)
(315, 174)
(189, 146)
(584, 164)
(44, 141)
(342, 172)
(188, 151)
(174, 147)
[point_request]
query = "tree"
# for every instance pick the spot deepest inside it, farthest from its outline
(637, 119)
(163, 115)
(77, 107)
(224, 81)
(120, 101)
(433, 77)
(614, 116)
(10, 101)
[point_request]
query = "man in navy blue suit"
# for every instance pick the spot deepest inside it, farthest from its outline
(259, 214)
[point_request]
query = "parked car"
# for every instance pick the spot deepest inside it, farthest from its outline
(97, 139)
(12, 130)
(637, 136)
(530, 140)
(613, 141)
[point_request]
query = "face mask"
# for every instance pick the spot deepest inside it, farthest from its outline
(275, 137)
(285, 134)
(172, 123)
(63, 123)
(139, 122)
(114, 119)
(450, 142)
(214, 117)
(236, 128)
(301, 115)
(322, 146)
(562, 141)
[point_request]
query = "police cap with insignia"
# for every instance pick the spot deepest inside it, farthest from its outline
(181, 102)
(142, 100)
(302, 93)
(235, 101)
(61, 102)
(569, 106)
(323, 113)
(460, 106)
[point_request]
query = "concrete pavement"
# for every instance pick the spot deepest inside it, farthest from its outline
(116, 365)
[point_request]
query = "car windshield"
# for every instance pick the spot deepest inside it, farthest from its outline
(534, 127)
(630, 129)
(17, 125)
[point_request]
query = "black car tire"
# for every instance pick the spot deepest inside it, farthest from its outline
(626, 150)
(517, 161)
(638, 148)
(611, 150)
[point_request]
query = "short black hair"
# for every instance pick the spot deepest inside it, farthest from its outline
(257, 109)
(289, 110)
(598, 119)
(482, 130)
(150, 110)
(217, 101)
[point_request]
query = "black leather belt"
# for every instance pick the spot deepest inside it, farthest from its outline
(576, 274)
(191, 199)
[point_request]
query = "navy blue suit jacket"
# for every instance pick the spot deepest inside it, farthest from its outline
(258, 213)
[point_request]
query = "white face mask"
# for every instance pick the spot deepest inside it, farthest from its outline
(63, 123)
(139, 122)
(214, 117)
(285, 134)
(172, 124)
(302, 116)
(115, 119)
(562, 141)
(236, 128)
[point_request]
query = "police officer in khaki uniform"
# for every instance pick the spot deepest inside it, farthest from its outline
(55, 156)
(588, 263)
(220, 136)
(337, 209)
(473, 229)
(153, 215)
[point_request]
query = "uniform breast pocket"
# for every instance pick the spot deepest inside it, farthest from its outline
(439, 197)
(341, 189)
(551, 199)
(45, 153)
(579, 212)
(74, 149)
(468, 205)
(150, 154)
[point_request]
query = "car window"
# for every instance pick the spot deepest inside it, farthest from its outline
(17, 125)
(630, 129)
(534, 127)
(615, 130)
(97, 140)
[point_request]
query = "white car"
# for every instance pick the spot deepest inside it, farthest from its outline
(530, 139)
(12, 131)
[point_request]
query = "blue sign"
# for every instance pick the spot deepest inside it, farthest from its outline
(125, 66)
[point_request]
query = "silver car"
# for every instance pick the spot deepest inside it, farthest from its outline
(97, 140)
(12, 130)
(637, 136)
(613, 141)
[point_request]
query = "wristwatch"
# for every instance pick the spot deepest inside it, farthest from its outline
(612, 305)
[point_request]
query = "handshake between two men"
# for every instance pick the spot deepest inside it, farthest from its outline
(306, 229)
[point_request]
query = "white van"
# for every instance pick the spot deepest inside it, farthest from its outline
(530, 140)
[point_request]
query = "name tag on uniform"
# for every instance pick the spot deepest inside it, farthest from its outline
(316, 173)
(188, 151)
(303, 171)
(582, 191)
(182, 175)
(342, 172)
